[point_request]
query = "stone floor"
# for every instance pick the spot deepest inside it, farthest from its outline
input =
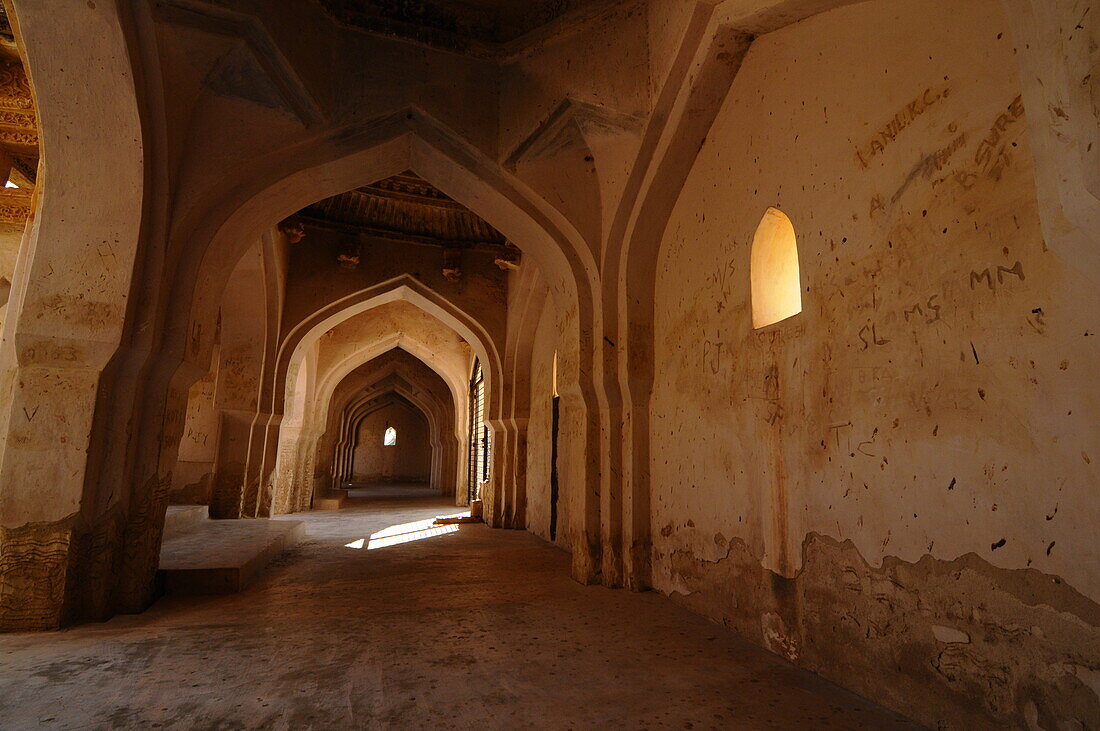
(448, 627)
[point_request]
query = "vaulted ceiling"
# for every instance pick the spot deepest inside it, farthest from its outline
(404, 207)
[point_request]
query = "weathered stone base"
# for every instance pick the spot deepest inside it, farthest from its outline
(199, 492)
(34, 562)
(953, 644)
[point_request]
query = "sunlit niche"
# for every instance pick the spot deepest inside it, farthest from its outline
(773, 267)
(390, 438)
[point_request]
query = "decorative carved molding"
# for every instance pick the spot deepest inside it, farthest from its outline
(414, 188)
(15, 205)
(293, 229)
(6, 33)
(19, 139)
(18, 121)
(405, 208)
(15, 88)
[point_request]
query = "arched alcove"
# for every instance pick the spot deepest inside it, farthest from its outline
(773, 270)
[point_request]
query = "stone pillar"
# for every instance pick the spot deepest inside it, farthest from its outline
(67, 313)
(262, 456)
(517, 515)
(234, 429)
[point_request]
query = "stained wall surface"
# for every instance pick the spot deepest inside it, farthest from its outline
(873, 474)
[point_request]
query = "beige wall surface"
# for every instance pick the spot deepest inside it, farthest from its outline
(894, 487)
(931, 400)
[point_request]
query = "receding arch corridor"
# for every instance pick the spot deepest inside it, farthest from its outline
(476, 627)
(738, 323)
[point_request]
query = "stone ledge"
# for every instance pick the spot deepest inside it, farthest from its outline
(180, 518)
(223, 556)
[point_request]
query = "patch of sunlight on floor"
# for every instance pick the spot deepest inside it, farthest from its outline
(402, 533)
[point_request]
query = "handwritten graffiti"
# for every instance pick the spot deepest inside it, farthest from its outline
(774, 409)
(837, 429)
(712, 356)
(900, 120)
(986, 276)
(928, 166)
(723, 278)
(870, 331)
(929, 312)
(992, 155)
(1038, 321)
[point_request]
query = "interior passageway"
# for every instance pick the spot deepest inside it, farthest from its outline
(472, 627)
(751, 339)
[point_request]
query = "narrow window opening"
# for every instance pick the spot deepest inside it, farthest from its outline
(390, 438)
(480, 438)
(554, 376)
(555, 421)
(773, 267)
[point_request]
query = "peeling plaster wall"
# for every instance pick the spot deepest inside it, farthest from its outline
(408, 461)
(895, 487)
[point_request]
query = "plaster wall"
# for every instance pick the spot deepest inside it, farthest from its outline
(408, 461)
(549, 338)
(571, 111)
(10, 238)
(575, 65)
(316, 278)
(902, 475)
(191, 479)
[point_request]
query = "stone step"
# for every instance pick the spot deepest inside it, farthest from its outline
(223, 556)
(182, 517)
(330, 502)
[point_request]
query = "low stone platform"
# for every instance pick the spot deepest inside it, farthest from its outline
(330, 502)
(222, 556)
(181, 517)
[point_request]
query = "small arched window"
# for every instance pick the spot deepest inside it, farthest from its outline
(390, 438)
(773, 270)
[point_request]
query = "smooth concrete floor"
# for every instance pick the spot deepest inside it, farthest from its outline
(416, 628)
